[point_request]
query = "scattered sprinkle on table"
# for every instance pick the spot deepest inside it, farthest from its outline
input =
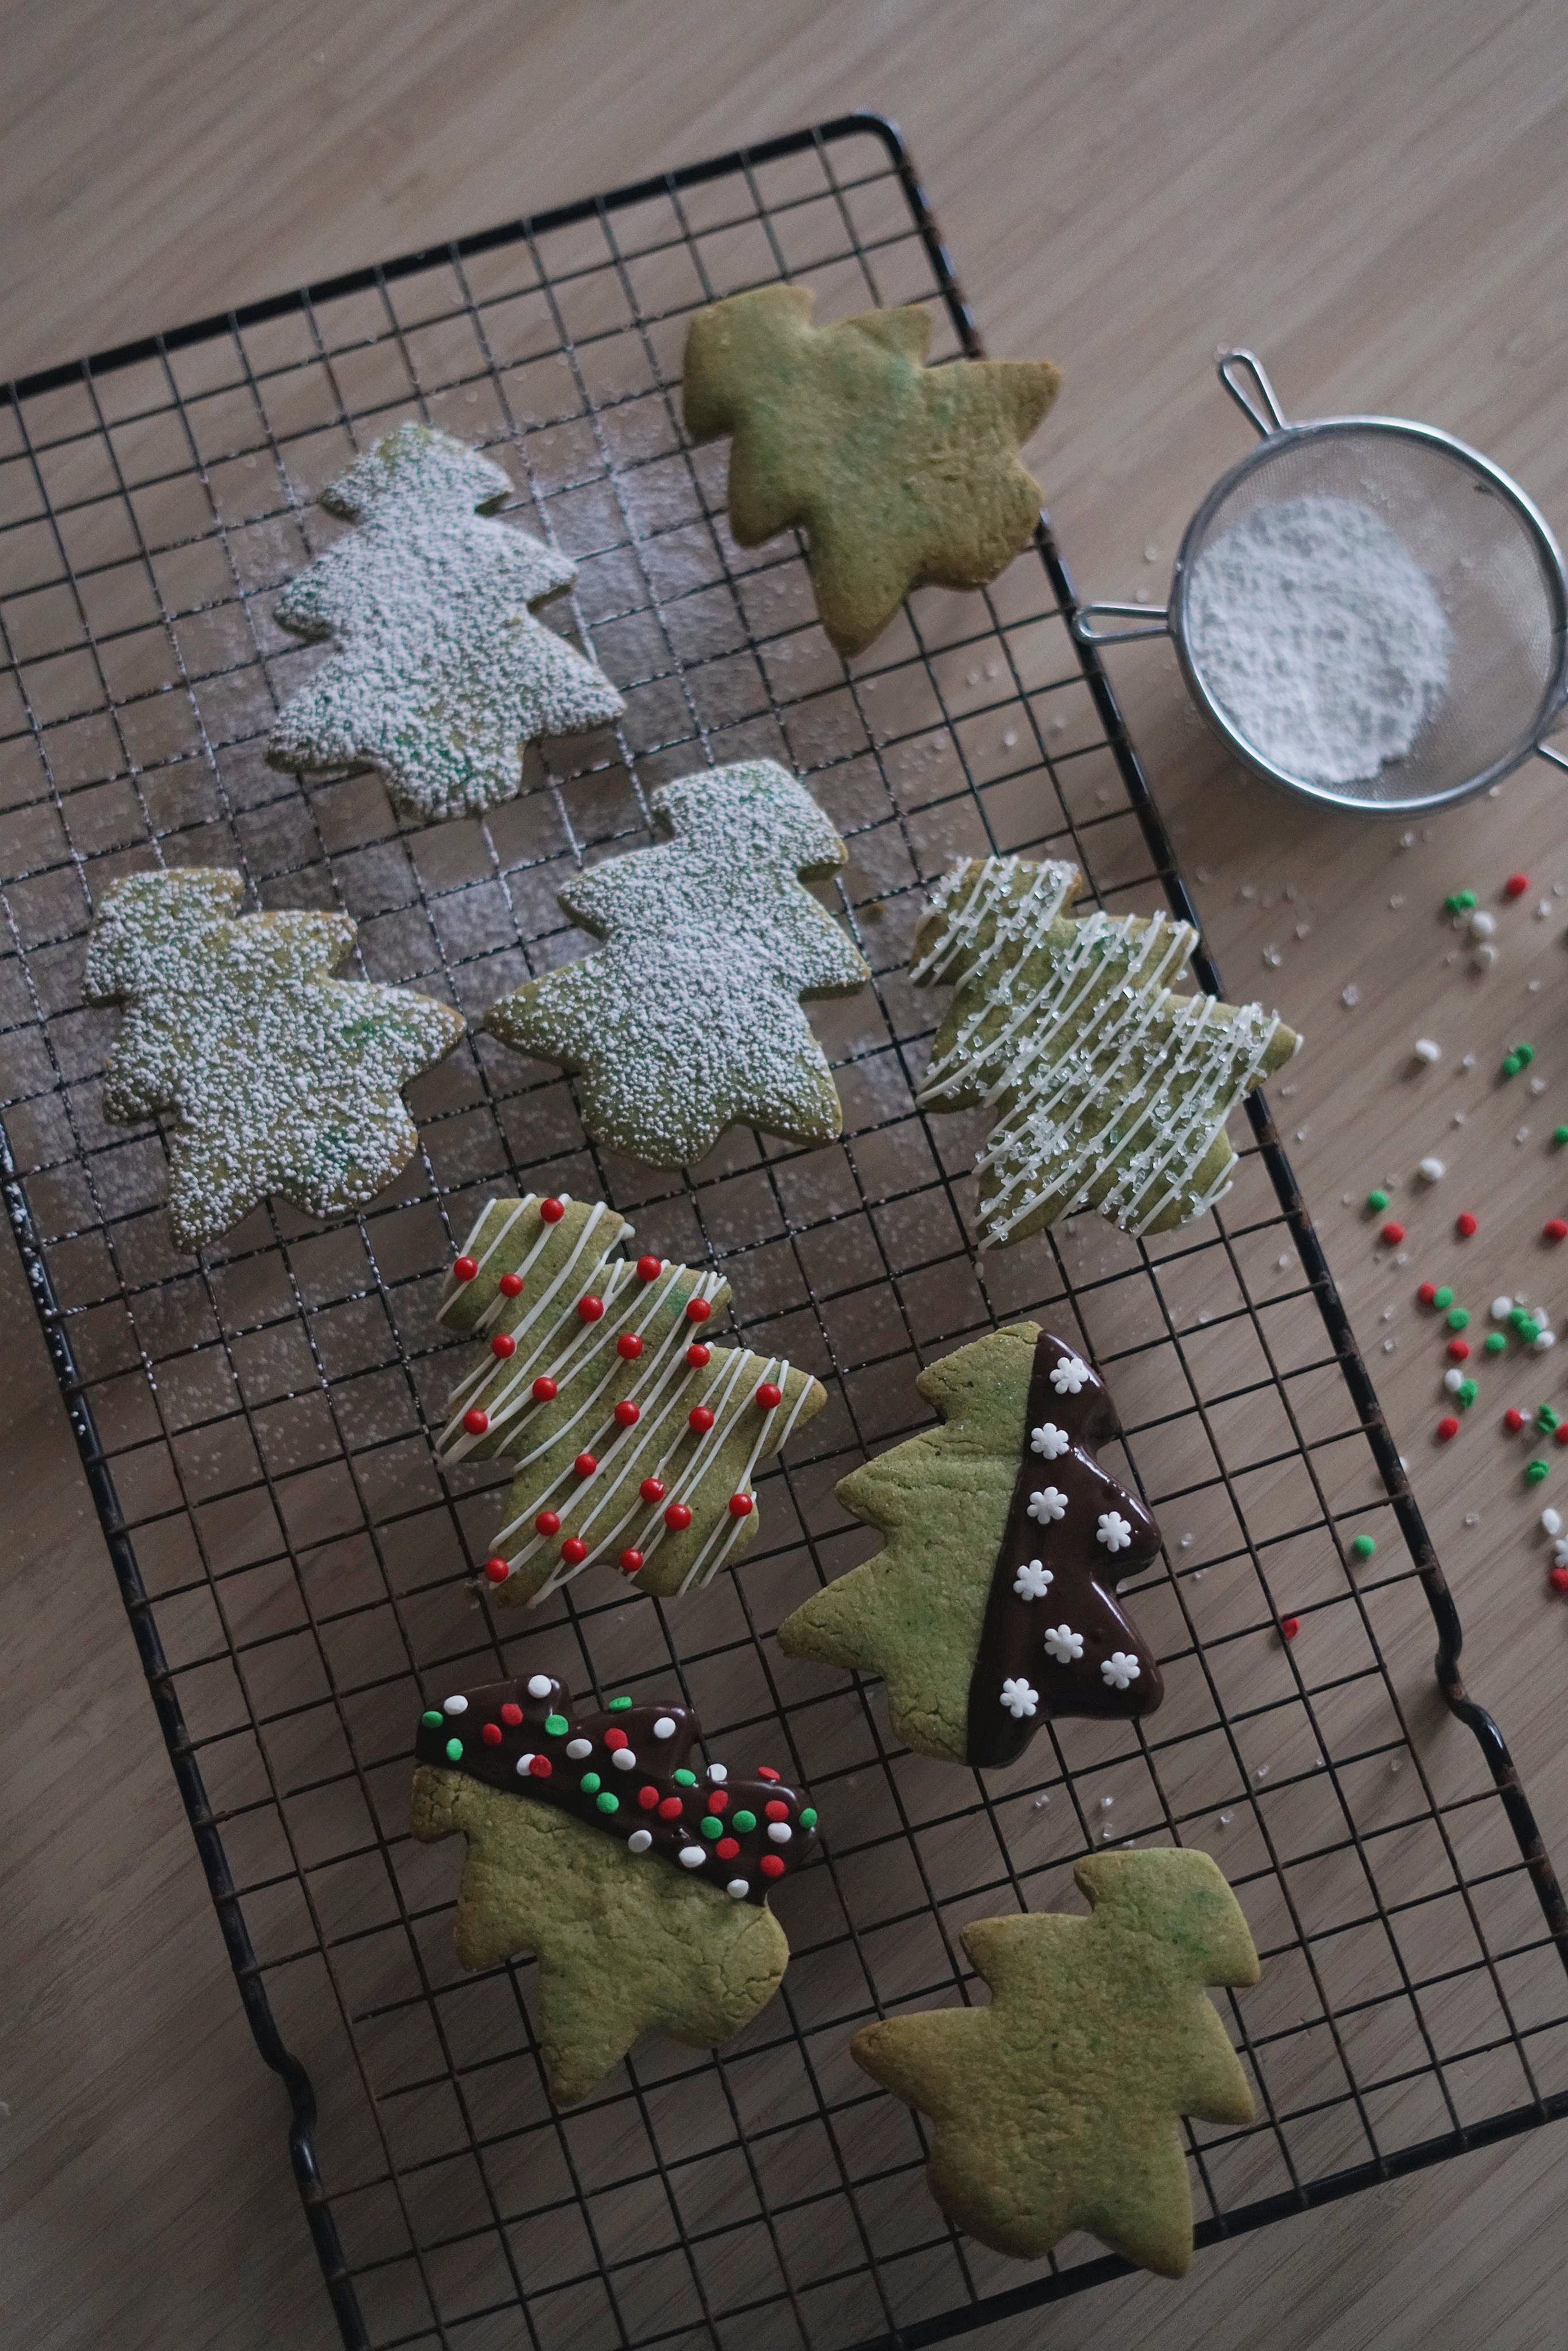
(1534, 1471)
(1460, 902)
(1431, 1171)
(1393, 1234)
(1516, 885)
(1466, 1225)
(1425, 1050)
(1517, 1057)
(1458, 1318)
(1554, 1230)
(1377, 1201)
(1513, 1419)
(1364, 1546)
(1446, 1428)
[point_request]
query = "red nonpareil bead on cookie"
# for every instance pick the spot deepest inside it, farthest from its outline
(649, 1268)
(464, 1269)
(552, 1211)
(475, 1421)
(511, 1285)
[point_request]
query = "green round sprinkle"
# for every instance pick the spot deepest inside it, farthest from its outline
(1533, 1472)
(1377, 1200)
(607, 1802)
(1545, 1418)
(809, 1816)
(710, 1827)
(1495, 1342)
(1516, 1315)
(1458, 1318)
(1364, 1546)
(454, 1750)
(1560, 1135)
(744, 1820)
(1511, 1065)
(1443, 1297)
(556, 1725)
(1467, 1392)
(1529, 1329)
(1524, 1055)
(617, 1705)
(1460, 902)
(590, 1783)
(433, 1720)
(684, 1778)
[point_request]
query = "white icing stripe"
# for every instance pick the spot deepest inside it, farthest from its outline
(727, 1530)
(455, 1440)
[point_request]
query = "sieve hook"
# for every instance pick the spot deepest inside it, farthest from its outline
(1246, 379)
(1154, 624)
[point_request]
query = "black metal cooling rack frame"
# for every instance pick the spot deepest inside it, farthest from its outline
(890, 2288)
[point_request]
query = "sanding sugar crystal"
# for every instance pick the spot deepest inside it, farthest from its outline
(1320, 637)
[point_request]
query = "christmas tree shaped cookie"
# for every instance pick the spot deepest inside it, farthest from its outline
(1058, 2106)
(1110, 1090)
(440, 673)
(901, 476)
(992, 1608)
(689, 1018)
(637, 1874)
(636, 1440)
(275, 1076)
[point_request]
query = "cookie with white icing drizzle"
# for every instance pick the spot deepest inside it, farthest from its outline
(276, 1077)
(440, 671)
(602, 1843)
(992, 1608)
(636, 1439)
(1110, 1090)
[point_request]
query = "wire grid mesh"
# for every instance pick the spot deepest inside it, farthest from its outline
(256, 1423)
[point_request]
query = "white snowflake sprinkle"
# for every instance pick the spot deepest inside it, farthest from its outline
(1067, 1377)
(1064, 1645)
(1049, 1440)
(1033, 1579)
(1019, 1699)
(1119, 1669)
(1048, 1505)
(1113, 1531)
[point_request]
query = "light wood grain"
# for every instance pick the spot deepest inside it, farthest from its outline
(1372, 197)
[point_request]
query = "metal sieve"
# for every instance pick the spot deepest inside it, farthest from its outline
(1484, 546)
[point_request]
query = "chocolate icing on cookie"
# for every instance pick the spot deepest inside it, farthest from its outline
(630, 1771)
(1055, 1640)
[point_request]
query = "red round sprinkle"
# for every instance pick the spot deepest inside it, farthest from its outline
(1513, 1419)
(678, 1517)
(552, 1211)
(628, 1346)
(768, 1395)
(698, 1310)
(648, 1268)
(490, 1732)
(1465, 1224)
(496, 1571)
(700, 1419)
(540, 1766)
(740, 1506)
(574, 1551)
(627, 1413)
(476, 1422)
(771, 1864)
(727, 1848)
(631, 1561)
(590, 1309)
(670, 1808)
(651, 1489)
(502, 1344)
(1516, 885)
(1559, 1434)
(511, 1715)
(511, 1285)
(697, 1356)
(1446, 1428)
(1427, 1293)
(1555, 1229)
(1393, 1234)
(766, 1771)
(775, 1811)
(546, 1523)
(647, 1797)
(717, 1800)
(544, 1389)
(614, 1738)
(1458, 1349)
(585, 1465)
(1289, 1627)
(1559, 1579)
(464, 1269)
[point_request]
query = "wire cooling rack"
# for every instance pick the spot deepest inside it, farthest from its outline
(254, 1423)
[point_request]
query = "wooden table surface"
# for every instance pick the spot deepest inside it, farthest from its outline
(1373, 197)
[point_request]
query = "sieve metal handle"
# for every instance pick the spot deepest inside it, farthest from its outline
(1155, 623)
(1558, 758)
(1246, 379)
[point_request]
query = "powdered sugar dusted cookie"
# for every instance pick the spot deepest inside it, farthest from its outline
(276, 1077)
(1110, 1091)
(440, 674)
(602, 1842)
(687, 1020)
(637, 1440)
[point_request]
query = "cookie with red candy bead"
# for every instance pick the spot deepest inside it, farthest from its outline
(637, 1874)
(637, 1439)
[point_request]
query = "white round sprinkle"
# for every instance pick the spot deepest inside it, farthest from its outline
(523, 1763)
(1501, 1308)
(1431, 1171)
(538, 1686)
(578, 1749)
(692, 1857)
(737, 1889)
(665, 1727)
(1542, 1340)
(1483, 956)
(639, 1841)
(1425, 1050)
(1552, 1521)
(719, 1771)
(1350, 997)
(454, 1706)
(1453, 1381)
(1482, 924)
(780, 1831)
(623, 1760)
